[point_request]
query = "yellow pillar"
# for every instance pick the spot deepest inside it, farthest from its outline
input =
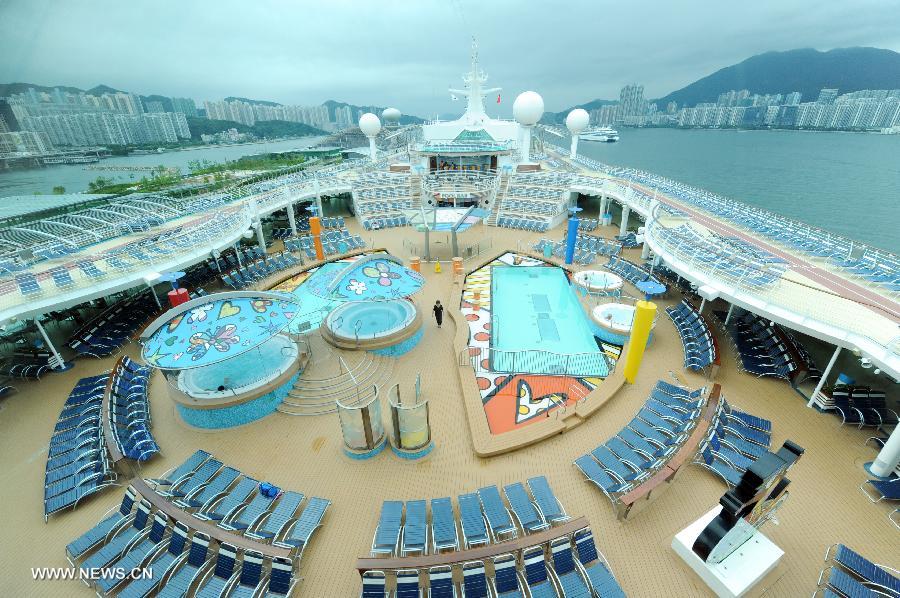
(644, 313)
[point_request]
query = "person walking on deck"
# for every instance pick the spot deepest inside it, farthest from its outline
(438, 310)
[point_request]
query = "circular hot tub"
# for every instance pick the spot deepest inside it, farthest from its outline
(597, 281)
(384, 327)
(612, 322)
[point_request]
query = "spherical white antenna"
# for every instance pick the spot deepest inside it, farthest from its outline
(369, 124)
(528, 108)
(391, 115)
(577, 120)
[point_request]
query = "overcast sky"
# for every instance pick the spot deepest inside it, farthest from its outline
(405, 54)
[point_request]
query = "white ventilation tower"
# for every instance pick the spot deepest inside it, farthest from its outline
(576, 122)
(528, 110)
(390, 116)
(370, 126)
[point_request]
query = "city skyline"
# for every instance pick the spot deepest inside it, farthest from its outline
(307, 60)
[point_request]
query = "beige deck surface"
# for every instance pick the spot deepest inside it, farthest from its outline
(304, 454)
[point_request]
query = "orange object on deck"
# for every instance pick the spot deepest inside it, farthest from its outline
(315, 227)
(415, 264)
(457, 265)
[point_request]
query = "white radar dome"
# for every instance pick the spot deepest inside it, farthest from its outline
(369, 124)
(391, 115)
(577, 121)
(528, 108)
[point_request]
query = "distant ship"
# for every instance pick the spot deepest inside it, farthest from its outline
(602, 134)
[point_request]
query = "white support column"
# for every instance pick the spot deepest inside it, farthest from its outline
(373, 151)
(728, 317)
(318, 198)
(260, 237)
(604, 203)
(834, 356)
(645, 250)
(623, 228)
(153, 292)
(60, 364)
(292, 220)
(526, 144)
(237, 254)
(702, 305)
(886, 461)
(573, 150)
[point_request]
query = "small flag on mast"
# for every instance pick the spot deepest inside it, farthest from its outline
(498, 98)
(453, 97)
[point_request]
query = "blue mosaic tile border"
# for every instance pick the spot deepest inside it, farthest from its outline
(237, 415)
(401, 347)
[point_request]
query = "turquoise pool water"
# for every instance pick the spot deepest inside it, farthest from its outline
(371, 319)
(241, 371)
(537, 323)
(313, 308)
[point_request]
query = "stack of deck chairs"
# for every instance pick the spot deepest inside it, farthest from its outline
(77, 463)
(107, 332)
(129, 411)
(696, 339)
(761, 350)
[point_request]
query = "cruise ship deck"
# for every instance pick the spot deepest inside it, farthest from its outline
(495, 416)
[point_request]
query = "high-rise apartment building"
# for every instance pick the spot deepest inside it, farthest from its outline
(827, 96)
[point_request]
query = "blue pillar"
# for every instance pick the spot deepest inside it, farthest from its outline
(570, 239)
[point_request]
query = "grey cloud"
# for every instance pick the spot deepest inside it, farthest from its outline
(407, 53)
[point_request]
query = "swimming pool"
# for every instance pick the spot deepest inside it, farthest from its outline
(239, 374)
(370, 319)
(614, 321)
(538, 326)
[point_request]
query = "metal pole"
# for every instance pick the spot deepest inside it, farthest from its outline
(834, 356)
(728, 317)
(59, 360)
(155, 298)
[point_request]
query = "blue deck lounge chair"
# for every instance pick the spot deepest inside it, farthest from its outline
(551, 509)
(525, 512)
(571, 580)
(595, 566)
(94, 536)
(606, 481)
(387, 534)
(415, 529)
(137, 552)
(281, 579)
(498, 516)
(309, 521)
(221, 509)
(506, 577)
(373, 584)
(183, 573)
(176, 475)
(444, 534)
(475, 583)
(193, 481)
(408, 584)
(885, 489)
(440, 582)
(117, 544)
(473, 526)
(214, 490)
(872, 575)
(251, 576)
(223, 573)
(246, 517)
(278, 518)
(536, 576)
(159, 564)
